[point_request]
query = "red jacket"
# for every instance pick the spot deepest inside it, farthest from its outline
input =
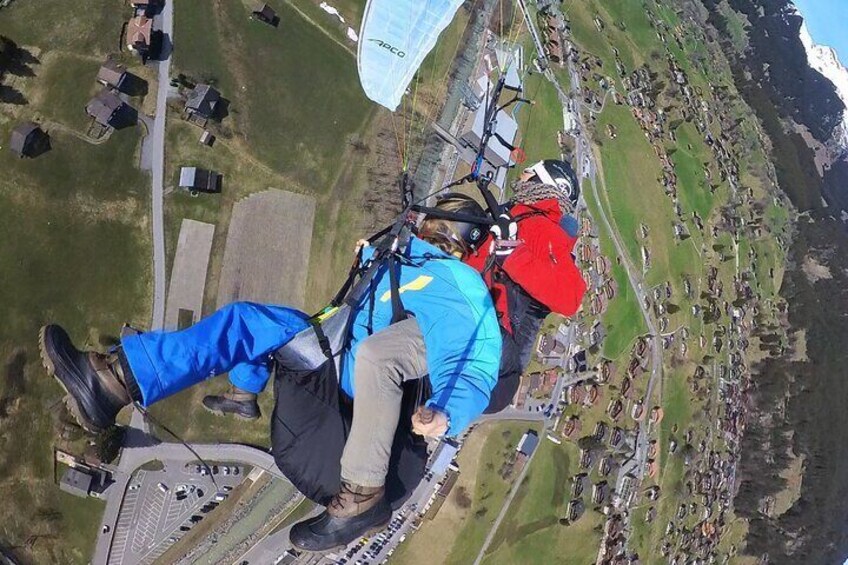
(542, 265)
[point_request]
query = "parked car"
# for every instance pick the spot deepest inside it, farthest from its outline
(163, 487)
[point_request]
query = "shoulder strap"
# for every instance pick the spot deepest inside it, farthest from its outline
(398, 311)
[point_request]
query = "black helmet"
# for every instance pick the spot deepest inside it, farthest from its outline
(467, 233)
(557, 173)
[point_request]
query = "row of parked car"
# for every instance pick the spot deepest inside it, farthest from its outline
(205, 470)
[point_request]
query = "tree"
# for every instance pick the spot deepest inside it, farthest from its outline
(7, 52)
(109, 443)
(9, 95)
(462, 498)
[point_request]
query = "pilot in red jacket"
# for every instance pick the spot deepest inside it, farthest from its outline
(528, 265)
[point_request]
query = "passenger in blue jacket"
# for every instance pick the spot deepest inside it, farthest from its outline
(451, 335)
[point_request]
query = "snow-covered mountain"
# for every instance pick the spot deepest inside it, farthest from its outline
(825, 60)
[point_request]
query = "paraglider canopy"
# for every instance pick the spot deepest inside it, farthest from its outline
(395, 38)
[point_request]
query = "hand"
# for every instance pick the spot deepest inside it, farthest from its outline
(428, 422)
(361, 244)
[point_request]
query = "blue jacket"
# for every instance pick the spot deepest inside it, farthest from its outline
(457, 319)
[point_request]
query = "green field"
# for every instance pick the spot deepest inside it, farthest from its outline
(74, 249)
(458, 531)
(293, 96)
(532, 532)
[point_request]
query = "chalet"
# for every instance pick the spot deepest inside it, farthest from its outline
(112, 74)
(28, 140)
(599, 492)
(139, 34)
(203, 101)
(200, 180)
(578, 485)
(572, 426)
(592, 393)
(616, 436)
(266, 14)
(637, 412)
(105, 108)
(600, 431)
(575, 509)
(614, 409)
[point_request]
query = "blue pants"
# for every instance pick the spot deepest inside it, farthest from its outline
(238, 339)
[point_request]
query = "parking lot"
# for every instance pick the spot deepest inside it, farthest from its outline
(160, 506)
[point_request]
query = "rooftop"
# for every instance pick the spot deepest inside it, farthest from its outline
(104, 106)
(528, 443)
(201, 180)
(22, 137)
(111, 73)
(76, 482)
(139, 30)
(203, 100)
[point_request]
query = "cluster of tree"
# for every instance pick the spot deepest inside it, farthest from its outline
(13, 61)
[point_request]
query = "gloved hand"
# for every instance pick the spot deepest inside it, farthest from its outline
(505, 236)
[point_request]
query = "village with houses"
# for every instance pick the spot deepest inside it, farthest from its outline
(635, 406)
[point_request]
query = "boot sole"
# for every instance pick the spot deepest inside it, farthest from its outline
(368, 533)
(69, 400)
(222, 414)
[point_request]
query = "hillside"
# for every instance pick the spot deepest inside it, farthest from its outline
(797, 397)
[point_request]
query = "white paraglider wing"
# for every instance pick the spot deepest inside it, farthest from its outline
(395, 38)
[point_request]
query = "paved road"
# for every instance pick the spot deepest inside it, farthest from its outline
(164, 22)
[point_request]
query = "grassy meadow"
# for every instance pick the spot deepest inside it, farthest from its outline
(74, 249)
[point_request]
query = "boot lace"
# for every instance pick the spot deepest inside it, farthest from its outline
(347, 496)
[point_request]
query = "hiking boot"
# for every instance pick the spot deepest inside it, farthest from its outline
(95, 383)
(353, 513)
(235, 401)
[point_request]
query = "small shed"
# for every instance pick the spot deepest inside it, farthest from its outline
(105, 107)
(28, 140)
(112, 74)
(200, 180)
(207, 138)
(203, 101)
(76, 482)
(139, 34)
(265, 13)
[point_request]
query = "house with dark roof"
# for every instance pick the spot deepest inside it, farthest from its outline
(203, 101)
(112, 74)
(528, 443)
(139, 35)
(105, 108)
(76, 482)
(200, 180)
(266, 14)
(29, 140)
